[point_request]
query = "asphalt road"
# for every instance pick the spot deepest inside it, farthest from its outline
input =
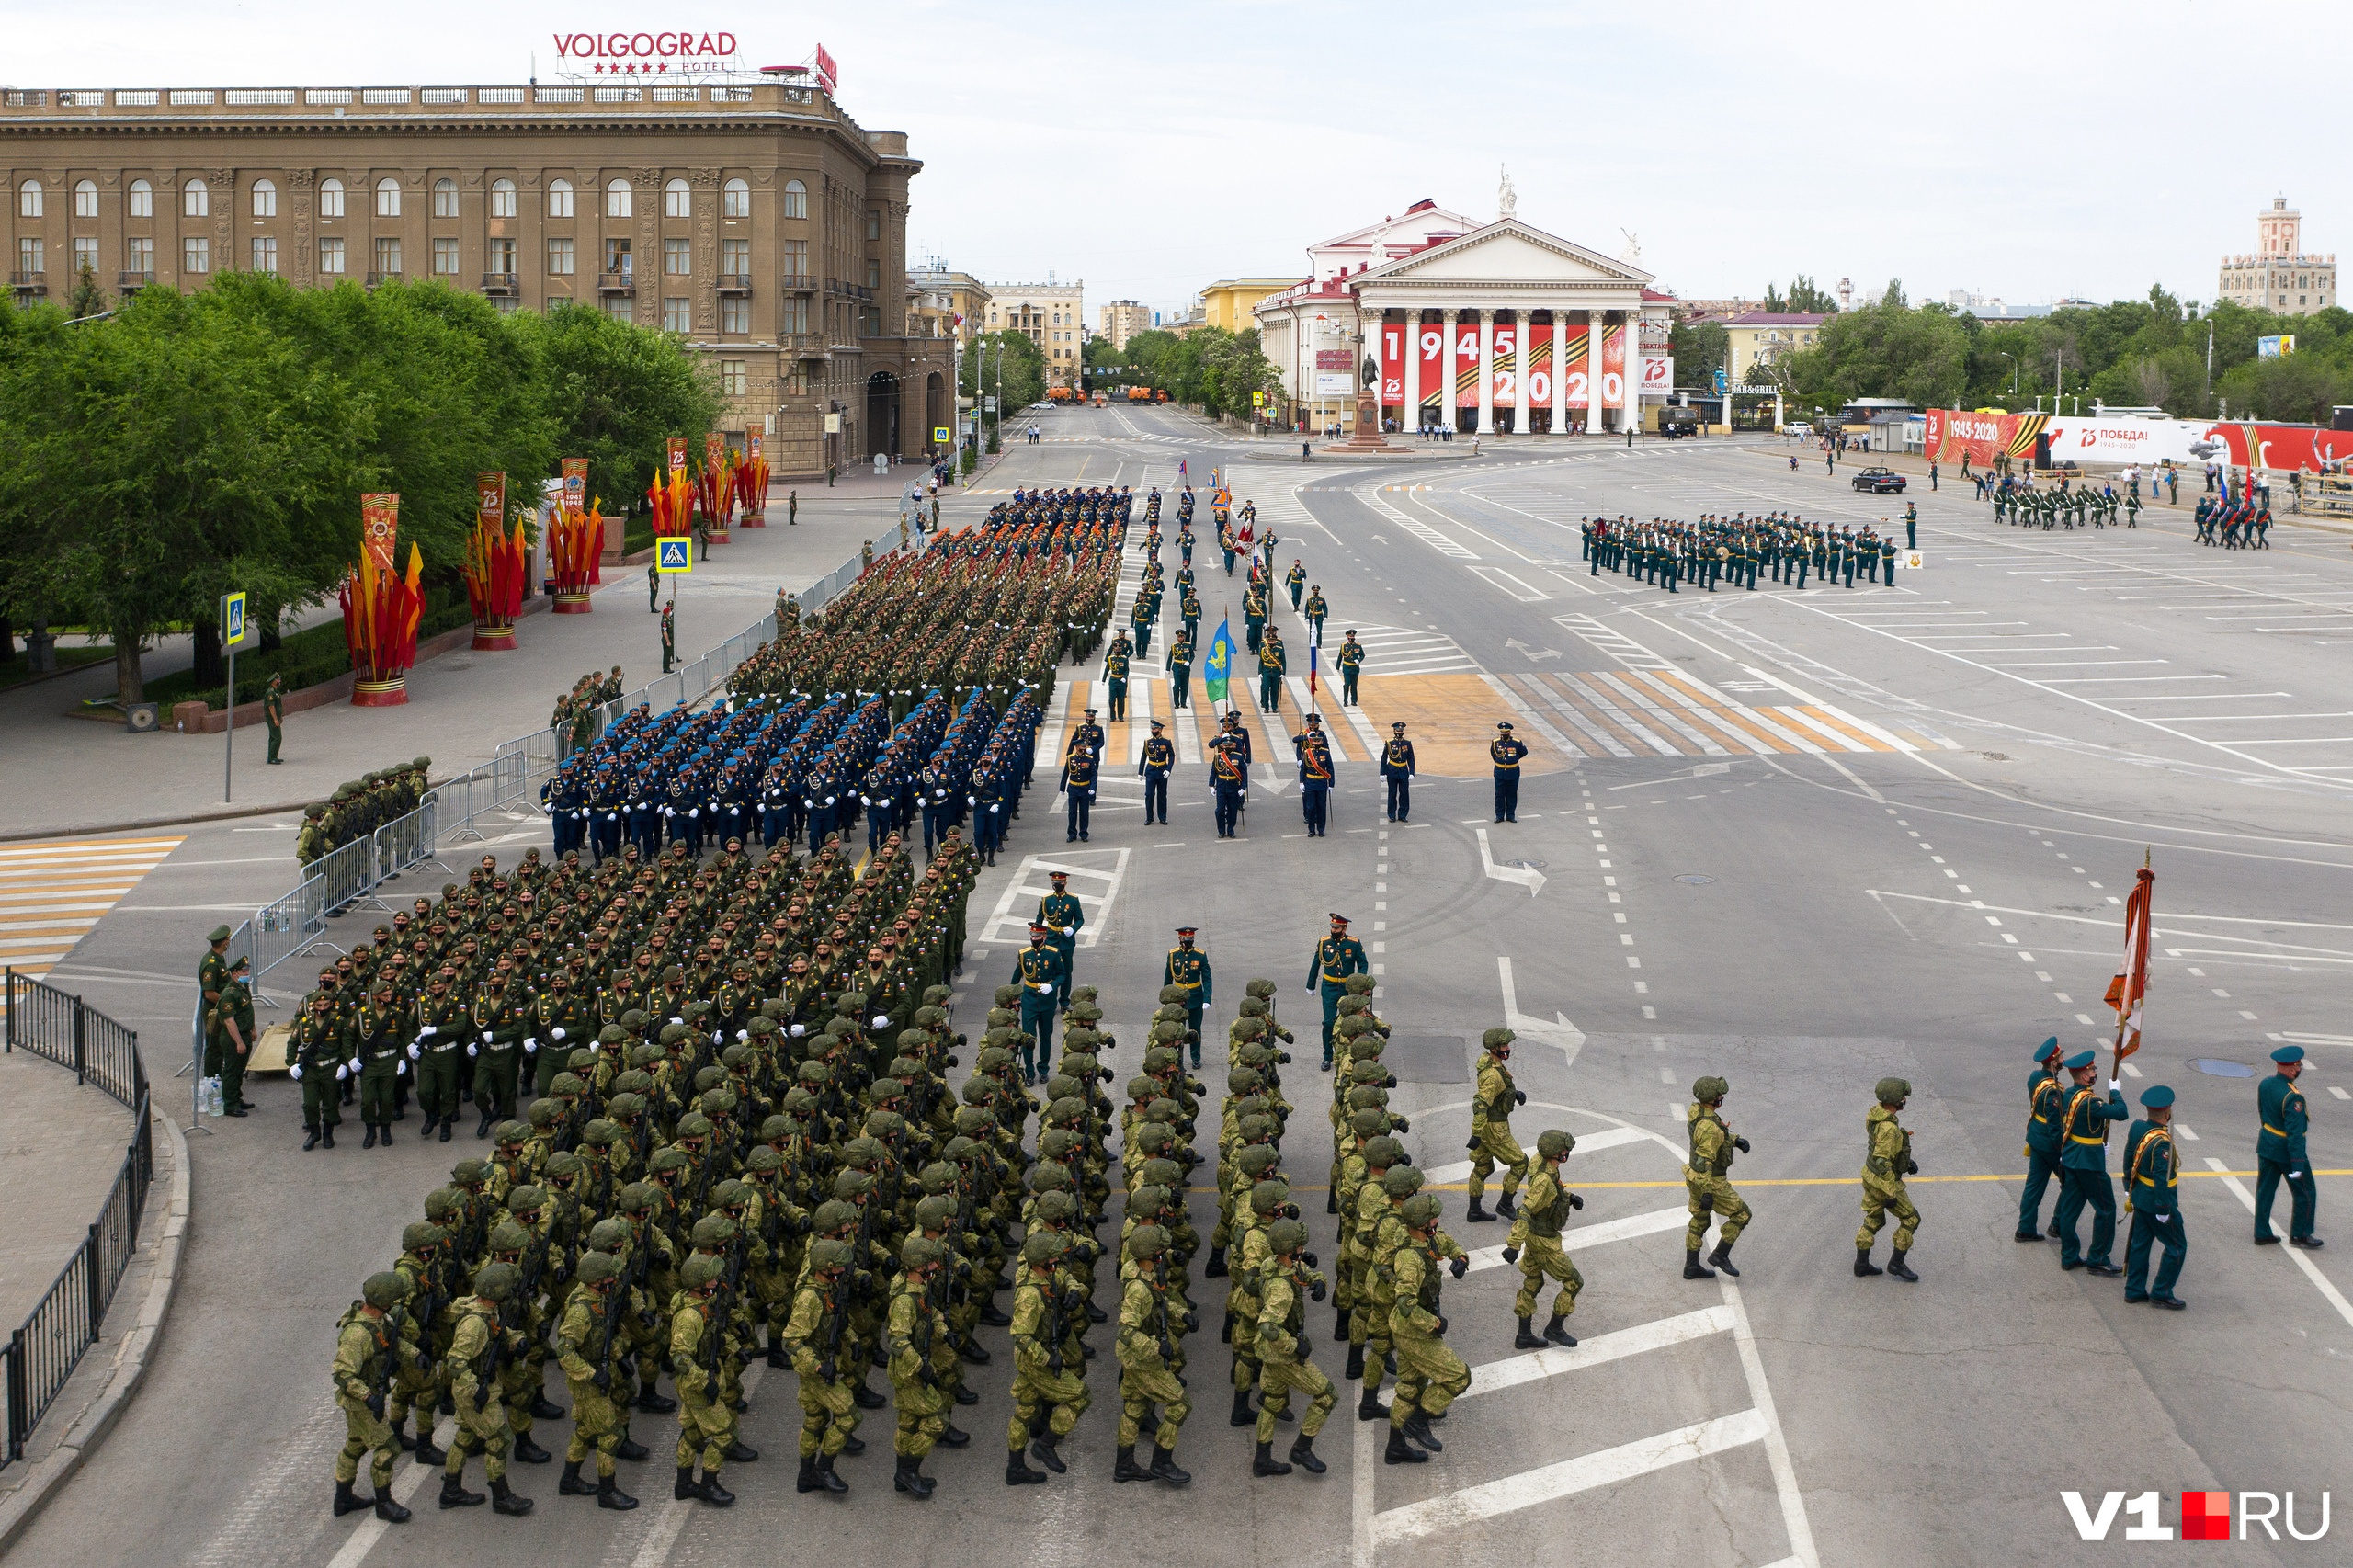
(1801, 839)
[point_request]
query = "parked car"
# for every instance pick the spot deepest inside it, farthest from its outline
(1879, 480)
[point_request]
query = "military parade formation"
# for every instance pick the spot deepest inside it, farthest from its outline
(1732, 551)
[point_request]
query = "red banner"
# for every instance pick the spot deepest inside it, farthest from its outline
(380, 517)
(1576, 369)
(714, 451)
(490, 500)
(1505, 370)
(1613, 368)
(575, 483)
(1430, 342)
(752, 443)
(1466, 360)
(1539, 365)
(1393, 363)
(677, 453)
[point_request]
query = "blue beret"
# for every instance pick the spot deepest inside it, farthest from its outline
(2081, 1059)
(2156, 1098)
(2288, 1053)
(2047, 1049)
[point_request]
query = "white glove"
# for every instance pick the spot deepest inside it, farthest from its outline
(428, 1030)
(530, 1044)
(472, 1048)
(413, 1051)
(488, 1035)
(295, 1072)
(341, 1072)
(399, 1068)
(800, 1029)
(881, 1020)
(743, 1034)
(355, 1064)
(559, 1031)
(2114, 1087)
(593, 1048)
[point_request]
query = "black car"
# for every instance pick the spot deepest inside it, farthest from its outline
(1879, 480)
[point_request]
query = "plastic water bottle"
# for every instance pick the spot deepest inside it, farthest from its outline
(212, 1096)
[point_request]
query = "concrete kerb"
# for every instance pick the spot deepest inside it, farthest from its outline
(135, 1324)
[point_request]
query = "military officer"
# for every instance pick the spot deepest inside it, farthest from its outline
(2279, 1152)
(1087, 734)
(273, 713)
(318, 1059)
(2152, 1189)
(2082, 1161)
(1180, 669)
(1229, 783)
(1351, 666)
(1335, 958)
(1887, 1160)
(1491, 1140)
(1187, 969)
(1078, 793)
(1115, 674)
(1060, 912)
(1317, 776)
(1397, 768)
(1706, 1176)
(1315, 611)
(1037, 970)
(669, 637)
(2044, 1102)
(1504, 752)
(237, 1010)
(1159, 758)
(1535, 1244)
(1271, 669)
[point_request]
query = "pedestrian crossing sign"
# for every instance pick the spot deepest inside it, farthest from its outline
(939, 434)
(232, 619)
(674, 555)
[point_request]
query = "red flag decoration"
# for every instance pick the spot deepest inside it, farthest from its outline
(2132, 983)
(1314, 658)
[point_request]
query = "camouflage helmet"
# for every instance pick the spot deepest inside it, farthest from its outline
(541, 1113)
(833, 1215)
(1254, 1008)
(568, 1082)
(1497, 1037)
(1269, 1197)
(470, 1171)
(508, 1236)
(1552, 1143)
(1401, 1181)
(609, 1235)
(523, 1199)
(1258, 1158)
(1147, 1199)
(1154, 1137)
(1262, 989)
(1044, 1246)
(935, 1212)
(1359, 984)
(564, 1165)
(764, 1159)
(386, 1290)
(1162, 1173)
(1361, 1072)
(1286, 1236)
(1893, 1091)
(496, 1281)
(1382, 1153)
(827, 1254)
(731, 1192)
(1710, 1089)
(636, 1197)
(1419, 1211)
(1048, 1176)
(596, 1268)
(669, 1160)
(1056, 1206)
(422, 1233)
(702, 1270)
(1244, 1081)
(850, 1184)
(439, 1204)
(1370, 1122)
(920, 1252)
(1147, 1241)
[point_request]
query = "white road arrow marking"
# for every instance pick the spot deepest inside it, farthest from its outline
(1558, 1031)
(1530, 654)
(1528, 876)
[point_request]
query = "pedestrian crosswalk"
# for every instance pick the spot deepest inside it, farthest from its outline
(1667, 713)
(54, 891)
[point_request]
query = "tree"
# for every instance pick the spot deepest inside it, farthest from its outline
(1884, 350)
(615, 392)
(1699, 350)
(1007, 359)
(87, 298)
(1803, 299)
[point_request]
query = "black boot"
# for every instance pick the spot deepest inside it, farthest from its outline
(971, 1352)
(1722, 1258)
(1243, 1416)
(1691, 1267)
(345, 1503)
(427, 1454)
(504, 1499)
(1526, 1338)
(541, 1410)
(1215, 1268)
(1341, 1317)
(629, 1448)
(447, 1122)
(1369, 1407)
(1559, 1334)
(1417, 1428)
(368, 1141)
(852, 1444)
(867, 1398)
(529, 1451)
(1899, 1269)
(326, 1138)
(400, 1436)
(391, 1513)
(1302, 1454)
(610, 1496)
(992, 1316)
(684, 1489)
(1163, 1467)
(310, 1141)
(777, 1360)
(953, 1437)
(807, 1480)
(571, 1485)
(910, 1479)
(482, 1128)
(1124, 1466)
(966, 1396)
(1477, 1215)
(1506, 1209)
(1042, 1450)
(1020, 1474)
(385, 1136)
(455, 1495)
(1864, 1267)
(1266, 1464)
(739, 1452)
(650, 1402)
(1401, 1451)
(829, 1475)
(718, 1497)
(1355, 1363)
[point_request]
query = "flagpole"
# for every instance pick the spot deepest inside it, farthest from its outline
(2136, 946)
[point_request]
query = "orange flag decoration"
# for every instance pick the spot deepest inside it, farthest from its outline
(2132, 983)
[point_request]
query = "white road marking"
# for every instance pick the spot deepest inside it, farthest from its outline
(1097, 905)
(1598, 1234)
(1526, 876)
(2320, 1282)
(1658, 1334)
(1591, 1143)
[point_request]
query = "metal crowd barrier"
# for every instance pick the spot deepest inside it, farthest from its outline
(43, 1352)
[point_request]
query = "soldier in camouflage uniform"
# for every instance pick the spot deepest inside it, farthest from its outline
(1706, 1176)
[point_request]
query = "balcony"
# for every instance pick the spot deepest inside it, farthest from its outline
(499, 283)
(621, 282)
(802, 345)
(734, 282)
(131, 282)
(29, 283)
(797, 282)
(376, 277)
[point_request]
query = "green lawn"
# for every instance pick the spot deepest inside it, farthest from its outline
(16, 671)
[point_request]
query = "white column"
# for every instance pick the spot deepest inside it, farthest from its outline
(1410, 420)
(1593, 330)
(1446, 391)
(1524, 356)
(1560, 371)
(1486, 372)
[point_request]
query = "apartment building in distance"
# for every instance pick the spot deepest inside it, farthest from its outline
(1123, 319)
(1051, 315)
(957, 302)
(2280, 277)
(755, 219)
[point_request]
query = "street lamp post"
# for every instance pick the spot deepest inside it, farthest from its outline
(2013, 371)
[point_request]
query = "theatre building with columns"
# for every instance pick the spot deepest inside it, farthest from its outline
(1491, 328)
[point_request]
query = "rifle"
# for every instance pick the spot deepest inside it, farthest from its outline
(602, 1361)
(1057, 1302)
(387, 1337)
(838, 1317)
(430, 1292)
(489, 1374)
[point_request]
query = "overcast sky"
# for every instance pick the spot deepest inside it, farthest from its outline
(2030, 151)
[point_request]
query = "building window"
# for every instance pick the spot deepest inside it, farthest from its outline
(142, 200)
(792, 315)
(796, 200)
(735, 313)
(28, 199)
(331, 258)
(266, 255)
(735, 200)
(388, 198)
(560, 199)
(619, 201)
(28, 255)
(617, 256)
(445, 258)
(196, 200)
(735, 258)
(676, 315)
(677, 202)
(796, 261)
(445, 199)
(502, 257)
(502, 198)
(732, 380)
(677, 258)
(869, 321)
(560, 258)
(265, 198)
(330, 198)
(388, 259)
(196, 255)
(874, 274)
(874, 226)
(142, 256)
(86, 253)
(86, 199)
(621, 307)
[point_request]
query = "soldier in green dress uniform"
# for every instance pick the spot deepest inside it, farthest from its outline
(2044, 1102)
(1187, 968)
(2152, 1189)
(1335, 958)
(2280, 1152)
(2082, 1161)
(1351, 666)
(273, 713)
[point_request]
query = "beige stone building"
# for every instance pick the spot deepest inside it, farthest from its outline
(1123, 319)
(958, 300)
(757, 221)
(1052, 315)
(2280, 277)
